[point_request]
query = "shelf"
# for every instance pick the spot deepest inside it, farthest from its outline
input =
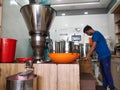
(117, 10)
(0, 2)
(117, 21)
(117, 33)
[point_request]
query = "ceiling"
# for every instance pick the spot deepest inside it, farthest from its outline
(73, 4)
(79, 7)
(75, 7)
(79, 4)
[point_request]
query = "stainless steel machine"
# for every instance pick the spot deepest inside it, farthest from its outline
(38, 19)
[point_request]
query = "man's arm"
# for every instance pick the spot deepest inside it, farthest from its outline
(91, 50)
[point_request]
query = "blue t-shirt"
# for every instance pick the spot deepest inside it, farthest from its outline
(101, 48)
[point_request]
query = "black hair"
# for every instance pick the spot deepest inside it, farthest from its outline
(86, 28)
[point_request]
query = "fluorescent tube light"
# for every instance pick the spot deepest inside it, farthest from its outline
(74, 4)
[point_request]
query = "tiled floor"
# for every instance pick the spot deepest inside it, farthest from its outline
(99, 88)
(100, 85)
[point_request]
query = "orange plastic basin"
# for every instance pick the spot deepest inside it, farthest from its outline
(63, 58)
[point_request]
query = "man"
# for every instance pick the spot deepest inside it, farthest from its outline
(100, 46)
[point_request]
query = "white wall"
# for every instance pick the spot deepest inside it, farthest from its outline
(13, 26)
(67, 24)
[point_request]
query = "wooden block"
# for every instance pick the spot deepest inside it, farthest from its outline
(68, 77)
(47, 76)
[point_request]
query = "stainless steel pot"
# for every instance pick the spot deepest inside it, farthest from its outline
(57, 47)
(63, 47)
(22, 81)
(84, 49)
(60, 47)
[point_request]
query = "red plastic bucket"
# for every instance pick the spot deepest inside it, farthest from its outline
(7, 49)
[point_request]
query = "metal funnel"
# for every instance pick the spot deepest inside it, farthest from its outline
(38, 17)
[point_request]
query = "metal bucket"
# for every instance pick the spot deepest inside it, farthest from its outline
(19, 82)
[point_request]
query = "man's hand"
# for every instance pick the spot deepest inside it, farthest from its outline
(87, 58)
(91, 50)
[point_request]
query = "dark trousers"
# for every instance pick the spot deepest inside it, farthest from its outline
(105, 66)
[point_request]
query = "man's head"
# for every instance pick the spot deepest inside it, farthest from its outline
(88, 30)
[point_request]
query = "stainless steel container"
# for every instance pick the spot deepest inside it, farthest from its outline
(57, 45)
(84, 49)
(71, 47)
(64, 47)
(21, 82)
(60, 47)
